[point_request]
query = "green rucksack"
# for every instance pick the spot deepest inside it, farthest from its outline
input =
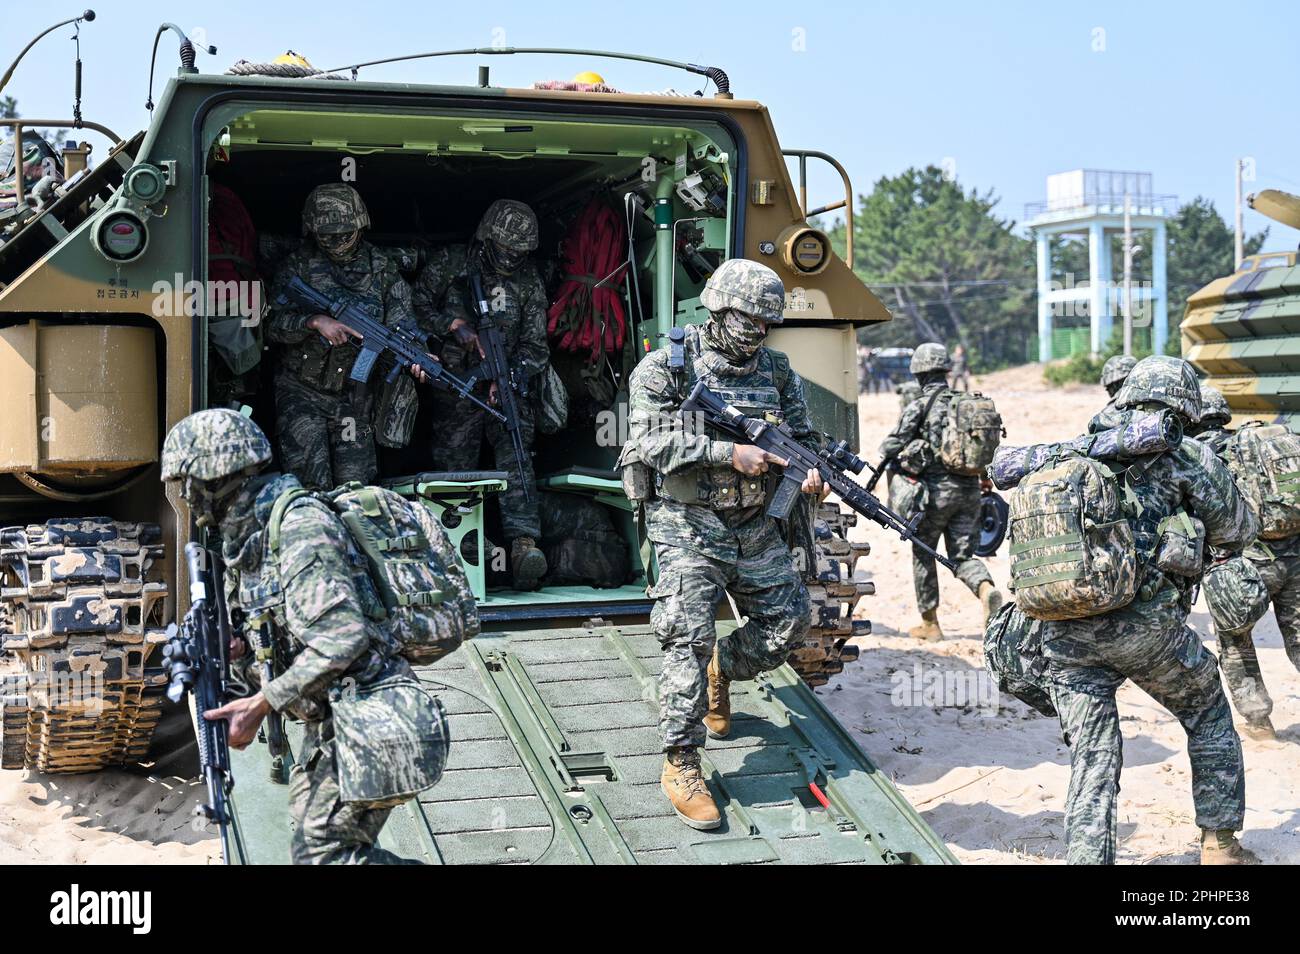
(1265, 461)
(1013, 655)
(1072, 547)
(971, 434)
(413, 566)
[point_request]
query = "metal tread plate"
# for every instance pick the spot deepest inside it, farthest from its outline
(556, 758)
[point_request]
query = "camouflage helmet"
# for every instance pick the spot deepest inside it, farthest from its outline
(212, 444)
(930, 356)
(334, 208)
(1116, 369)
(1214, 406)
(1163, 379)
(748, 287)
(510, 224)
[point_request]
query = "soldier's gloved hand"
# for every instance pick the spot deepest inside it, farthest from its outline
(813, 484)
(985, 484)
(332, 330)
(753, 461)
(244, 717)
(466, 335)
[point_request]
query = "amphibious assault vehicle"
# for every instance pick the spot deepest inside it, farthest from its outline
(111, 331)
(1243, 330)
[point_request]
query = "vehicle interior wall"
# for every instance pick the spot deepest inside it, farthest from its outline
(419, 201)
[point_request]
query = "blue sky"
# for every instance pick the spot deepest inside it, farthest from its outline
(1003, 92)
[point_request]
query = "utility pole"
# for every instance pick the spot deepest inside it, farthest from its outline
(1128, 274)
(1238, 246)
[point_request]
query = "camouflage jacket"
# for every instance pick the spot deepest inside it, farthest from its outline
(371, 280)
(517, 301)
(1190, 477)
(318, 600)
(705, 504)
(915, 423)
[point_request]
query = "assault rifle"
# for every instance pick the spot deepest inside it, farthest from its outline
(495, 367)
(376, 339)
(831, 462)
(196, 660)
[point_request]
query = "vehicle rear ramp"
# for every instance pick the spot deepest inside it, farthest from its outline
(556, 757)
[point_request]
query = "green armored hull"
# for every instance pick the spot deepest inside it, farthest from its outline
(1243, 330)
(556, 756)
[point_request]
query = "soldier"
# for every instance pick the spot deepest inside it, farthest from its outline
(1113, 375)
(1149, 642)
(1115, 372)
(960, 375)
(952, 509)
(517, 302)
(1278, 563)
(324, 422)
(711, 533)
(320, 623)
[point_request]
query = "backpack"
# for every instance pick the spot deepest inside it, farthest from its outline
(1265, 460)
(1013, 655)
(971, 434)
(1072, 547)
(413, 566)
(582, 546)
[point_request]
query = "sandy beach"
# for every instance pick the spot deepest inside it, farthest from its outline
(992, 783)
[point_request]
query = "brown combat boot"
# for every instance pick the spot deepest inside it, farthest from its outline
(929, 629)
(527, 563)
(684, 785)
(991, 600)
(717, 721)
(1223, 848)
(1261, 730)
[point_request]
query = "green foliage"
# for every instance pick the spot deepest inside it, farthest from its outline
(1200, 250)
(1081, 368)
(946, 265)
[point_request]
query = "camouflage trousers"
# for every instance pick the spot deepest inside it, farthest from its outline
(1281, 575)
(325, 439)
(459, 428)
(767, 591)
(326, 829)
(953, 512)
(1150, 643)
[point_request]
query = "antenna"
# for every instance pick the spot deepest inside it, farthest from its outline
(88, 15)
(187, 53)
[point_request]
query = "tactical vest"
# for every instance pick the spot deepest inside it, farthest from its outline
(721, 486)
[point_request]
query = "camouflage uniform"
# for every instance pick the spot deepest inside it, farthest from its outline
(710, 531)
(321, 608)
(1149, 642)
(1278, 563)
(518, 303)
(324, 420)
(953, 509)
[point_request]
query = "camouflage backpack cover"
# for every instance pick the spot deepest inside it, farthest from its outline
(1072, 547)
(1265, 460)
(971, 434)
(1013, 655)
(413, 566)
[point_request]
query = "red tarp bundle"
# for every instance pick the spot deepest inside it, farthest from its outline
(584, 317)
